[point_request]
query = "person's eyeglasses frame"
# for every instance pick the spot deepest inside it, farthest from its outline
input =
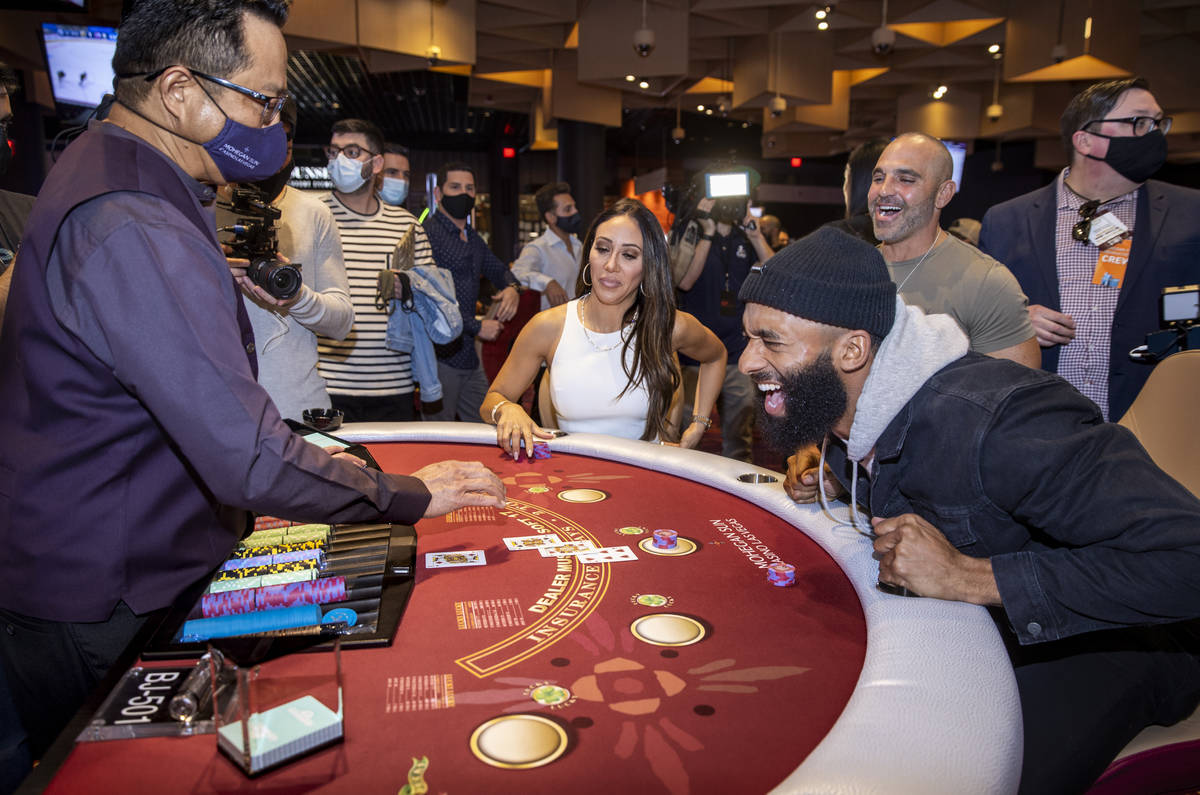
(272, 106)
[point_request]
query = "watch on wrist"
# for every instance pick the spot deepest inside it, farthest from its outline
(708, 237)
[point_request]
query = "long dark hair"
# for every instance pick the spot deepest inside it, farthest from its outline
(652, 314)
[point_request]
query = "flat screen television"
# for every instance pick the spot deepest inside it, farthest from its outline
(79, 61)
(958, 153)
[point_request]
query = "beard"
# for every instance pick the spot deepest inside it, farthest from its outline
(814, 399)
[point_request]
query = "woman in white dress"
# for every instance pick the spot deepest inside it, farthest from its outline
(611, 353)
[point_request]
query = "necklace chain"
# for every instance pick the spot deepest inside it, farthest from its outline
(921, 261)
(588, 334)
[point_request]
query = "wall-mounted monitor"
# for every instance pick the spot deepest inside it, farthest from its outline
(79, 62)
(958, 153)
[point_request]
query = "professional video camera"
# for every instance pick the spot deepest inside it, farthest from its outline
(254, 239)
(729, 186)
(1179, 314)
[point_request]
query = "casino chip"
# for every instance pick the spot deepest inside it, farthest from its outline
(541, 450)
(781, 574)
(665, 539)
(549, 695)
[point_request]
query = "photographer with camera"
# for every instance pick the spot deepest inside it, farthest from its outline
(287, 314)
(138, 438)
(727, 244)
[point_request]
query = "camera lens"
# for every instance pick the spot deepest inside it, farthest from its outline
(281, 281)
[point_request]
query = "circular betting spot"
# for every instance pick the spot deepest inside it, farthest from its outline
(704, 709)
(669, 653)
(560, 662)
(582, 723)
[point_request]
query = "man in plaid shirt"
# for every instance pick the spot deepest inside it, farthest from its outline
(1094, 249)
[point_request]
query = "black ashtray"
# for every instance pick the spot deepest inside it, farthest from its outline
(323, 419)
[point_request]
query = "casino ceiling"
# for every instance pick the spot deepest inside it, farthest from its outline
(465, 72)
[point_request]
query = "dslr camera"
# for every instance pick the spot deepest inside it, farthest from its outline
(255, 239)
(1179, 315)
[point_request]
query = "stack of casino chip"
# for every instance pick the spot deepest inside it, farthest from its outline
(665, 539)
(781, 574)
(319, 592)
(541, 450)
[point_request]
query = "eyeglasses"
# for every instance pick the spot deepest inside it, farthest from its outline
(272, 106)
(352, 151)
(1141, 124)
(1087, 211)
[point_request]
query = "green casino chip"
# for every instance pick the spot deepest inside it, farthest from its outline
(549, 695)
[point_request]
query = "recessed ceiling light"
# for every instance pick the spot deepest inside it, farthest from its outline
(822, 25)
(708, 112)
(700, 108)
(643, 85)
(630, 78)
(995, 48)
(822, 13)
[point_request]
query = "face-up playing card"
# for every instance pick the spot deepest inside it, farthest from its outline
(567, 549)
(442, 560)
(519, 543)
(606, 555)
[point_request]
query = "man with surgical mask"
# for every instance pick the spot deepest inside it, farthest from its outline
(139, 438)
(396, 176)
(366, 379)
(550, 262)
(1094, 249)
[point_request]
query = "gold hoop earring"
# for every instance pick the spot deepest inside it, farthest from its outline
(642, 287)
(587, 271)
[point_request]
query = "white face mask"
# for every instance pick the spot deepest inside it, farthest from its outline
(394, 190)
(347, 174)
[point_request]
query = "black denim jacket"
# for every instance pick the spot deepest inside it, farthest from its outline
(1010, 463)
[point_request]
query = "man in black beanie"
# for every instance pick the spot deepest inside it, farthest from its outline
(994, 484)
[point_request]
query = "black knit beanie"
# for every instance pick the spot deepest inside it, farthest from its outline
(828, 277)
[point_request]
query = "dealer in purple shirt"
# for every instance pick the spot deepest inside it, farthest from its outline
(136, 436)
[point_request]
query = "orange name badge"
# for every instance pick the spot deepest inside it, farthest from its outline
(1110, 264)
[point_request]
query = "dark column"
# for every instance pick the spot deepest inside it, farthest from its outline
(581, 163)
(504, 191)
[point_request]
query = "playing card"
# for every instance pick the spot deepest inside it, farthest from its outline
(606, 555)
(519, 543)
(566, 550)
(442, 560)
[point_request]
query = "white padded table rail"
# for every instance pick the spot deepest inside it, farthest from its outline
(935, 709)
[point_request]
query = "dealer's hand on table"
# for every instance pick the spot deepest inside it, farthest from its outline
(455, 484)
(1052, 328)
(513, 424)
(801, 481)
(915, 555)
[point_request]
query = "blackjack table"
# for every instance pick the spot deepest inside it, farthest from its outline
(674, 669)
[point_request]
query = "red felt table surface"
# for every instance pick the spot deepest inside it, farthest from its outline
(735, 711)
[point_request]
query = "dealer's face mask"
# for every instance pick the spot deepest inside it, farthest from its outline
(347, 174)
(241, 153)
(393, 190)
